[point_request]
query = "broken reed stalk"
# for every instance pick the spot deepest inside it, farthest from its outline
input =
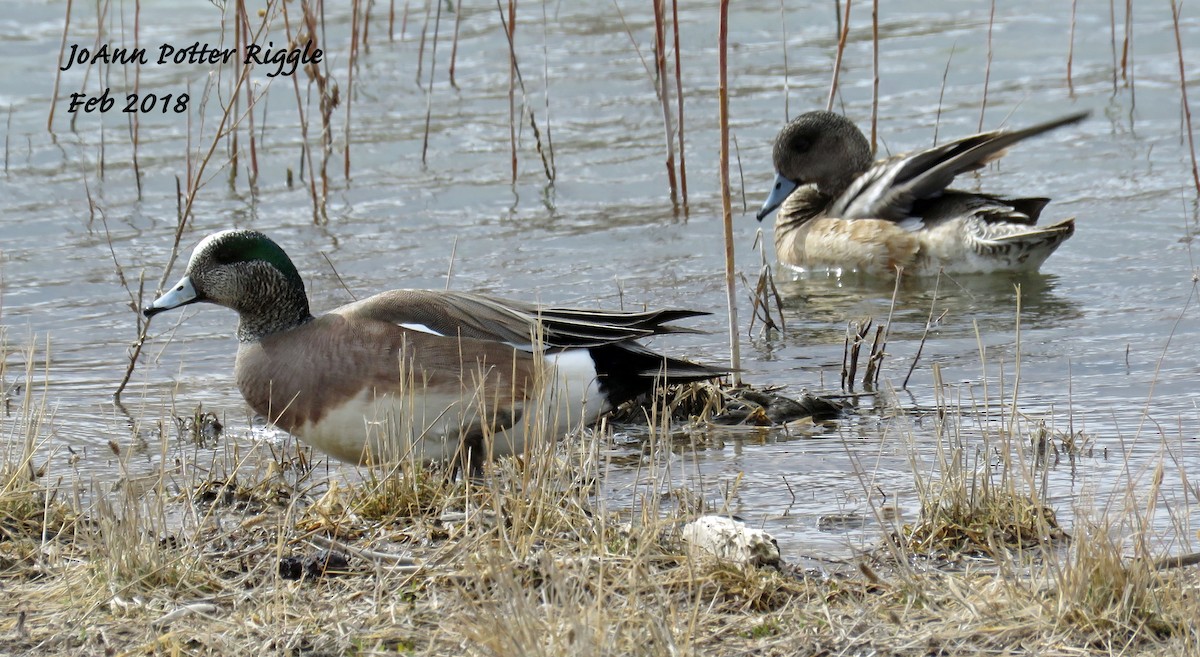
(437, 23)
(1187, 110)
(1071, 52)
(987, 71)
(679, 104)
(874, 76)
(856, 334)
(764, 292)
(391, 21)
(735, 355)
(664, 97)
(844, 33)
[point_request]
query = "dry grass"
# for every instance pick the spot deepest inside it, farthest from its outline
(227, 553)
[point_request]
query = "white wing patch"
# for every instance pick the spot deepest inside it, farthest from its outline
(420, 328)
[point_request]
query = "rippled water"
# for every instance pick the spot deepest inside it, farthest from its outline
(1108, 331)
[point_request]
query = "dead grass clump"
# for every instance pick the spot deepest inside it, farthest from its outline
(736, 588)
(1115, 601)
(30, 512)
(991, 526)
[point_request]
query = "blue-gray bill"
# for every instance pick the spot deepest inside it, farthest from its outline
(780, 190)
(182, 294)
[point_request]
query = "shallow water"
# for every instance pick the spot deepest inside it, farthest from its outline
(1108, 330)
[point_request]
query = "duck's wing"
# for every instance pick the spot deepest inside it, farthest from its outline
(889, 189)
(519, 324)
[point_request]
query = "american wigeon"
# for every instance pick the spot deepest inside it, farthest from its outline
(415, 373)
(839, 210)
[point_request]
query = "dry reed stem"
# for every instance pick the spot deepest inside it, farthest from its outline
(844, 33)
(679, 105)
(987, 71)
(1071, 51)
(62, 49)
(1176, 9)
(787, 114)
(545, 152)
(510, 30)
(454, 41)
(351, 65)
(735, 355)
(664, 96)
(874, 76)
(437, 23)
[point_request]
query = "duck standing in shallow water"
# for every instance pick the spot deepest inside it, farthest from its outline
(420, 374)
(841, 211)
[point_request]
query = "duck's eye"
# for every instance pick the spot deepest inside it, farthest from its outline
(801, 145)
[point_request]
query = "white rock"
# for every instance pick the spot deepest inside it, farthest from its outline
(730, 540)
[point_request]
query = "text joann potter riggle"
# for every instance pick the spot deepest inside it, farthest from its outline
(286, 61)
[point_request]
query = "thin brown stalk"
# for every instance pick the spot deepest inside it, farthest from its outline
(1112, 40)
(1127, 44)
(421, 46)
(726, 208)
(660, 65)
(305, 149)
(454, 42)
(942, 94)
(135, 117)
(874, 75)
(929, 323)
(837, 61)
(391, 21)
(437, 23)
(512, 84)
(62, 49)
(737, 153)
(633, 41)
(787, 114)
(366, 28)
(679, 103)
(351, 64)
(249, 91)
(1176, 8)
(551, 170)
(546, 153)
(1071, 52)
(987, 71)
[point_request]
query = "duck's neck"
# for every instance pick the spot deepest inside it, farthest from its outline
(277, 305)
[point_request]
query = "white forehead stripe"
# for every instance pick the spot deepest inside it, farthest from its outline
(204, 244)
